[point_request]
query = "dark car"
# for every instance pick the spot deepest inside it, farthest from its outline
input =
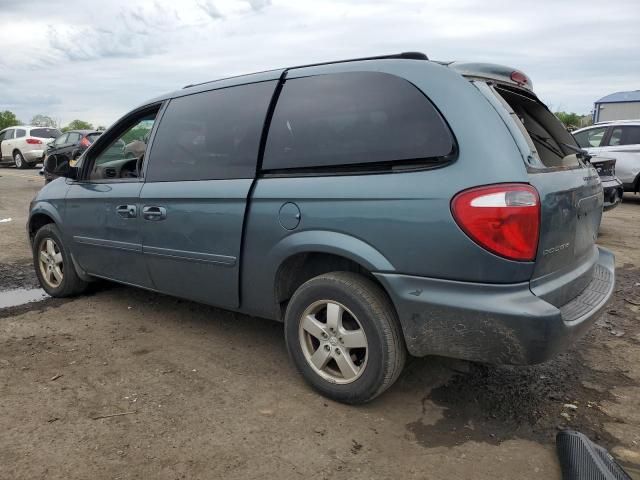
(379, 207)
(68, 147)
(611, 185)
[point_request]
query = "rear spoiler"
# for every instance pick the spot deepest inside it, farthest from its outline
(492, 71)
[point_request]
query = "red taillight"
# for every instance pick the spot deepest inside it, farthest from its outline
(33, 141)
(519, 77)
(85, 142)
(504, 219)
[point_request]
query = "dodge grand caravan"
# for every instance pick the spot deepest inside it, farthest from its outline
(379, 207)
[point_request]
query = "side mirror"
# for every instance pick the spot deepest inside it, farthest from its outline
(60, 167)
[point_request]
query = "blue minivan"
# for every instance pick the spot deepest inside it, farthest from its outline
(379, 207)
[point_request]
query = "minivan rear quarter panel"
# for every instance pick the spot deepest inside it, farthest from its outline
(372, 208)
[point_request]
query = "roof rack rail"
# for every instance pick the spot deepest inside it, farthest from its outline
(403, 55)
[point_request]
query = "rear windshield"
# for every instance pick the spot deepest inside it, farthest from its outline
(45, 132)
(92, 137)
(545, 133)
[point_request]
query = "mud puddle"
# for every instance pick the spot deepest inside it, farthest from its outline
(21, 296)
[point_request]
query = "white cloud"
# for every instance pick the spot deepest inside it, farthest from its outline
(97, 61)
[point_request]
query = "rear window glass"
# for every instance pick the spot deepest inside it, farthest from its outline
(20, 133)
(45, 132)
(211, 135)
(347, 119)
(547, 135)
(92, 137)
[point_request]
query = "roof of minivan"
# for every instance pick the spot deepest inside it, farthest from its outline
(477, 70)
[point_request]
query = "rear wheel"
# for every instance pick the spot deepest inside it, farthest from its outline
(53, 264)
(19, 160)
(343, 335)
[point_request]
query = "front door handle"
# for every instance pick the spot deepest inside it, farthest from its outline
(127, 211)
(154, 213)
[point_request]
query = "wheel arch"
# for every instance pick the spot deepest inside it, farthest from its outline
(304, 255)
(41, 215)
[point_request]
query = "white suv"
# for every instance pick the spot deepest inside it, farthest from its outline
(25, 145)
(618, 139)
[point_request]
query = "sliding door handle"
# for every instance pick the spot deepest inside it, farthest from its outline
(127, 211)
(154, 213)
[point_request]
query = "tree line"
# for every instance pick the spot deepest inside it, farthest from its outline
(9, 119)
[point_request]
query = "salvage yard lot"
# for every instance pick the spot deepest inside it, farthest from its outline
(205, 393)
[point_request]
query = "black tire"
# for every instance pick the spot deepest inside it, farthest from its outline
(367, 301)
(19, 161)
(70, 284)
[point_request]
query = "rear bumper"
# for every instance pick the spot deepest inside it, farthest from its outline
(613, 190)
(34, 156)
(493, 323)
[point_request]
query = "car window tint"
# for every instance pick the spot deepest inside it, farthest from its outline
(616, 136)
(74, 138)
(45, 132)
(20, 133)
(211, 135)
(630, 135)
(122, 158)
(92, 137)
(590, 138)
(62, 139)
(353, 118)
(8, 135)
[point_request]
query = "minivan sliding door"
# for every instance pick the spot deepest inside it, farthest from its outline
(201, 168)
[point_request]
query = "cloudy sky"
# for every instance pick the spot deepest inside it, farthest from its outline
(94, 60)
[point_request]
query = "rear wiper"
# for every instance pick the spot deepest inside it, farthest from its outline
(580, 153)
(545, 142)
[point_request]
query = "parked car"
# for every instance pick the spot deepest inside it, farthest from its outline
(611, 185)
(24, 146)
(68, 147)
(378, 207)
(616, 139)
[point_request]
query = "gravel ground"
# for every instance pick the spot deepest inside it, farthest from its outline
(203, 393)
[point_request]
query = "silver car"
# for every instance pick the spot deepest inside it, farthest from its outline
(616, 139)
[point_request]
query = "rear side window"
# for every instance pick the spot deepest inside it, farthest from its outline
(45, 132)
(629, 135)
(211, 135)
(20, 133)
(590, 138)
(74, 137)
(92, 137)
(349, 119)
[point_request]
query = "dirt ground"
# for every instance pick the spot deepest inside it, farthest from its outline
(204, 393)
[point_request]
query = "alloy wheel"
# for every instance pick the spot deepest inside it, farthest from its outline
(333, 342)
(18, 160)
(51, 264)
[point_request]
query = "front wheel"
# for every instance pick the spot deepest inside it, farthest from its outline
(343, 335)
(53, 264)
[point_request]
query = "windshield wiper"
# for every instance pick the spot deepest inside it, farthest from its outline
(580, 153)
(545, 142)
